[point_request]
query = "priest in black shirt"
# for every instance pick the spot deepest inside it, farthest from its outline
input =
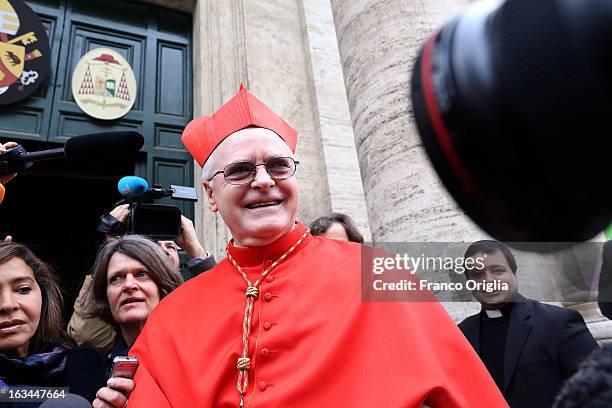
(529, 347)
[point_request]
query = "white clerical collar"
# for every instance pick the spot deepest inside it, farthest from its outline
(493, 313)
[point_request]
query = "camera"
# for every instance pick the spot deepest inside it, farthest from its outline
(512, 103)
(159, 222)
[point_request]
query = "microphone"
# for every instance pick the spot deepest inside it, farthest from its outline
(132, 186)
(88, 148)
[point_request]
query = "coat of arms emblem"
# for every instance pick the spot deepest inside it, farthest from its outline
(103, 84)
(24, 51)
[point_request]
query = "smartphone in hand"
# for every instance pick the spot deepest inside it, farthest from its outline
(124, 366)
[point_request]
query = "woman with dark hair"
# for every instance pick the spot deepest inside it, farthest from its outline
(34, 350)
(336, 226)
(130, 277)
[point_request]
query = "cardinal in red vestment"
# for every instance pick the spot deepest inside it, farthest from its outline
(280, 322)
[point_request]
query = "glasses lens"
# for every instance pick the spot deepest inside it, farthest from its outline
(238, 172)
(280, 167)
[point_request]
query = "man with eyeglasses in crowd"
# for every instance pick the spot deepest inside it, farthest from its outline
(280, 322)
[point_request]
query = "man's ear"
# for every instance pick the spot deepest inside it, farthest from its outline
(211, 197)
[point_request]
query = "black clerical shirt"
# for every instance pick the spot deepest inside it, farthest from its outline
(492, 342)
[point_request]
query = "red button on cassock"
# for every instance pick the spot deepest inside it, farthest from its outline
(262, 386)
(269, 278)
(265, 352)
(267, 325)
(267, 296)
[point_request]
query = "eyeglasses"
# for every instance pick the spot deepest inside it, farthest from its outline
(279, 168)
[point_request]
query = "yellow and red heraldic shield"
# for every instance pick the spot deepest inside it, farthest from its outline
(24, 51)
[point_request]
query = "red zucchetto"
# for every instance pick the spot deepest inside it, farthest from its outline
(202, 135)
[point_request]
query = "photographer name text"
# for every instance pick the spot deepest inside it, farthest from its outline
(422, 263)
(423, 284)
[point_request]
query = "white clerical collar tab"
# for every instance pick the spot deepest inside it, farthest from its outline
(493, 314)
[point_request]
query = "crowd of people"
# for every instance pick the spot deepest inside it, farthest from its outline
(280, 320)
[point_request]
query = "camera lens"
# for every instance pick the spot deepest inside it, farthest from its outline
(513, 104)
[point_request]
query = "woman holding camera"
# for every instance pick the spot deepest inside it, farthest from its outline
(129, 278)
(34, 351)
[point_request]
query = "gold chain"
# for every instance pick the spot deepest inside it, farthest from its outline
(252, 292)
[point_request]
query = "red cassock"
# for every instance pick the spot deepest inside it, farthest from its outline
(313, 342)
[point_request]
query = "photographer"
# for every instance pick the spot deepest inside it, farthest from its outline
(85, 329)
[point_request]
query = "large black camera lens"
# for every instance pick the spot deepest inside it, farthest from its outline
(513, 102)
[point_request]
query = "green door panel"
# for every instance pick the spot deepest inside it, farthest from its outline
(157, 44)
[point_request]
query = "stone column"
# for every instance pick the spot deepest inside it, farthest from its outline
(585, 262)
(379, 41)
(334, 127)
(218, 69)
(599, 325)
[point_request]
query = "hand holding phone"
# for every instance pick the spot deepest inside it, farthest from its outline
(124, 366)
(120, 385)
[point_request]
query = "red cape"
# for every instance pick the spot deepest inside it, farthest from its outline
(313, 342)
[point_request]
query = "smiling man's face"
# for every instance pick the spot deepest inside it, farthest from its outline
(259, 212)
(495, 268)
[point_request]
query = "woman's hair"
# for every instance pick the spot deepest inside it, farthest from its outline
(50, 326)
(160, 267)
(322, 224)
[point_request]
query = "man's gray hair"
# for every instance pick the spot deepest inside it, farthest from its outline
(210, 166)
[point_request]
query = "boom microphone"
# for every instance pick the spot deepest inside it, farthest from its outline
(132, 186)
(97, 147)
(89, 148)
